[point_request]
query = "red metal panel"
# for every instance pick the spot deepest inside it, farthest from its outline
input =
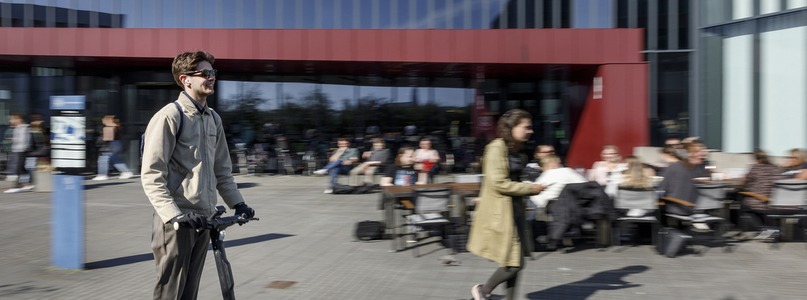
(67, 44)
(291, 47)
(537, 45)
(342, 41)
(619, 118)
(441, 39)
(515, 49)
(531, 46)
(318, 37)
(465, 42)
(490, 47)
(367, 45)
(415, 46)
(593, 53)
(268, 44)
(168, 44)
(390, 45)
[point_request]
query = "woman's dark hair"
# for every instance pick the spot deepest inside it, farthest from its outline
(401, 152)
(507, 122)
(761, 157)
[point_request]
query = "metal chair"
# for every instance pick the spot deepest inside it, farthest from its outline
(429, 215)
(635, 206)
(711, 197)
(788, 201)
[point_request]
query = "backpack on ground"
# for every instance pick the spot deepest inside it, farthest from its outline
(671, 241)
(369, 230)
(179, 130)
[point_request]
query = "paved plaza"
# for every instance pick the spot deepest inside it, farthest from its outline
(306, 237)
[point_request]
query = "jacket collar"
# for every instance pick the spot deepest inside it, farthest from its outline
(187, 102)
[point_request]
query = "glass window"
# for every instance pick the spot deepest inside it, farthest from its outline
(663, 25)
(783, 100)
(738, 94)
(289, 11)
(742, 9)
(766, 7)
(622, 14)
(683, 24)
(791, 4)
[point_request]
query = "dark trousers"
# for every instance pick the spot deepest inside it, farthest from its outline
(180, 258)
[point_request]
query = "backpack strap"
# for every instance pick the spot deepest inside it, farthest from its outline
(179, 130)
(181, 119)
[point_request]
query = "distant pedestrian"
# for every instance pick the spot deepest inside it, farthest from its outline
(181, 172)
(111, 150)
(20, 144)
(497, 232)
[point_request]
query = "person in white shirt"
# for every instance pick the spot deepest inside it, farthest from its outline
(555, 177)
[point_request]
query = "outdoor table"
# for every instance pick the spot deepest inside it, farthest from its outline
(391, 197)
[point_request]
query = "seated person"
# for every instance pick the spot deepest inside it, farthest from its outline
(533, 169)
(611, 163)
(374, 158)
(554, 177)
(340, 161)
(402, 172)
(669, 155)
(636, 176)
(796, 165)
(426, 159)
(679, 178)
(760, 179)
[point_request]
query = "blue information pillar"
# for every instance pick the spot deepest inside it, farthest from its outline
(67, 237)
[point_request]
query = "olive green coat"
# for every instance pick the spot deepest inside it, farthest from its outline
(493, 231)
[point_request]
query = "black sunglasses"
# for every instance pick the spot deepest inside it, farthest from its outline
(205, 73)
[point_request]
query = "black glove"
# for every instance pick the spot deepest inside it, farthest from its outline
(242, 209)
(191, 219)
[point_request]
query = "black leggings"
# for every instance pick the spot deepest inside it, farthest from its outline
(510, 274)
(503, 274)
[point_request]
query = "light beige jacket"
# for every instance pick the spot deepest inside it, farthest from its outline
(183, 176)
(493, 231)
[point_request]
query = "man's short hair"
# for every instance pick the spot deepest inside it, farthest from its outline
(378, 140)
(188, 61)
(342, 139)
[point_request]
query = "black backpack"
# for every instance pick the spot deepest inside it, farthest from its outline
(179, 130)
(369, 230)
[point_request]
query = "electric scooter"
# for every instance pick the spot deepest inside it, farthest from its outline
(216, 224)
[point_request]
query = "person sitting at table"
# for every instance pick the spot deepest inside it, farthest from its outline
(375, 158)
(533, 169)
(679, 179)
(636, 176)
(342, 160)
(555, 177)
(427, 160)
(611, 163)
(669, 155)
(796, 165)
(402, 172)
(760, 179)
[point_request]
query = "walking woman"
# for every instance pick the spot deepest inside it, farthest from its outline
(497, 231)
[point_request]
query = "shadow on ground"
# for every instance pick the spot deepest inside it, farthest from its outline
(602, 281)
(114, 262)
(98, 185)
(246, 185)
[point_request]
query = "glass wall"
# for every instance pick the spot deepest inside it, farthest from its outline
(752, 83)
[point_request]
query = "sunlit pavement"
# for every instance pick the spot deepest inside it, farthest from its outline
(302, 248)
